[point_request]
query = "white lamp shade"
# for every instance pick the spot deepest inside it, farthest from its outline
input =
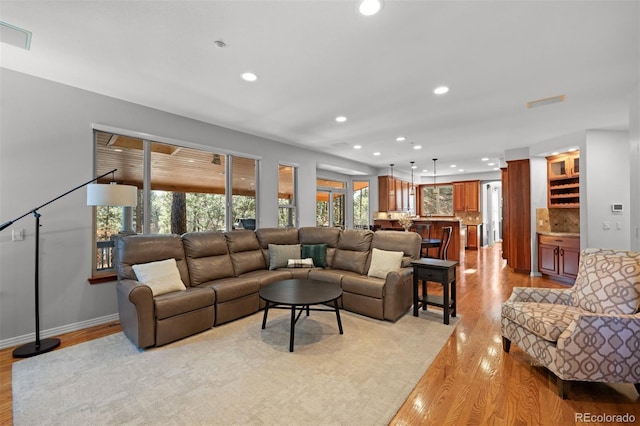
(111, 195)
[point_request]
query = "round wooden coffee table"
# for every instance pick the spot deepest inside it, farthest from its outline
(300, 293)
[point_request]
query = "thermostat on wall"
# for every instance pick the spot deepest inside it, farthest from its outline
(616, 208)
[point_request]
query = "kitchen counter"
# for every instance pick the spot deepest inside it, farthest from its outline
(560, 234)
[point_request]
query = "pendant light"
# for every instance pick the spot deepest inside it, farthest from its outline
(393, 184)
(434, 173)
(412, 191)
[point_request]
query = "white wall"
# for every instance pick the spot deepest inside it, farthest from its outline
(605, 179)
(538, 173)
(46, 148)
(634, 167)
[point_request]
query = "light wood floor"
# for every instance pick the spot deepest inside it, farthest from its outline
(472, 381)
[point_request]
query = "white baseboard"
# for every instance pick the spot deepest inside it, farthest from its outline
(19, 340)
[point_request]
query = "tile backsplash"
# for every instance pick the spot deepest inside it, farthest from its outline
(558, 220)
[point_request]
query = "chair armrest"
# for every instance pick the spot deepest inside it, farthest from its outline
(555, 296)
(397, 293)
(600, 347)
(136, 309)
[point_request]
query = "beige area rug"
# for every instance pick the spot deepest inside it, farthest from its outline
(236, 374)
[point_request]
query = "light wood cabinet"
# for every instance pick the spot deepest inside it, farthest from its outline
(558, 257)
(563, 174)
(466, 196)
(393, 194)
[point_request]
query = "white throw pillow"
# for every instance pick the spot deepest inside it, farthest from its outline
(383, 262)
(162, 277)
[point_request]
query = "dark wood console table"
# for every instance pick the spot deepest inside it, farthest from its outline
(440, 271)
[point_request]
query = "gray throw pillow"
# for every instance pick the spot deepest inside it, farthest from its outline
(280, 254)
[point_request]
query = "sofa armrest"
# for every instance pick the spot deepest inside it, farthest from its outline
(136, 309)
(600, 347)
(397, 293)
(542, 295)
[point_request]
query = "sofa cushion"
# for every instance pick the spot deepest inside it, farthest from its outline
(383, 262)
(317, 235)
(136, 249)
(207, 256)
(352, 252)
(363, 285)
(177, 303)
(608, 283)
(545, 320)
(281, 236)
(317, 252)
(279, 255)
(161, 276)
(245, 252)
(227, 289)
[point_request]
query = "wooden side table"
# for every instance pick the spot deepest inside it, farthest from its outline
(440, 271)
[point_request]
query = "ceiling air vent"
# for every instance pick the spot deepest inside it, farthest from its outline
(545, 101)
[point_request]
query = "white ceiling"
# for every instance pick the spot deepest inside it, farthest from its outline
(320, 59)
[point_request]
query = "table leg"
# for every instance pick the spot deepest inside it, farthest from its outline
(424, 295)
(453, 297)
(335, 304)
(266, 311)
(293, 327)
(415, 292)
(445, 300)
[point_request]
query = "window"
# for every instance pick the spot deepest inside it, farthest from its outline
(179, 190)
(361, 204)
(330, 203)
(287, 186)
(437, 200)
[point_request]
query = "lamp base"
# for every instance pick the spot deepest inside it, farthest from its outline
(33, 349)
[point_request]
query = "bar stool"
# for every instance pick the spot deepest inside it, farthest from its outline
(424, 230)
(446, 239)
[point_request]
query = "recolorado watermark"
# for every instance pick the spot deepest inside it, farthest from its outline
(604, 418)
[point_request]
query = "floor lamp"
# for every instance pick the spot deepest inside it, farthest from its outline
(97, 195)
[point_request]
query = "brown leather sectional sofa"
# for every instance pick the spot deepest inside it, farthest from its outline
(223, 272)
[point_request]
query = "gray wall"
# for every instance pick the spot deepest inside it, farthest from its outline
(46, 148)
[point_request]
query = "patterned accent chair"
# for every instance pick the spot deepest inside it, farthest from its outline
(589, 332)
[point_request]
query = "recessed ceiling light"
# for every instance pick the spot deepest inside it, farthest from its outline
(491, 164)
(376, 153)
(370, 7)
(572, 149)
(441, 90)
(249, 76)
(485, 159)
(417, 147)
(357, 146)
(555, 153)
(117, 150)
(191, 160)
(453, 166)
(414, 167)
(341, 119)
(496, 168)
(425, 171)
(461, 170)
(401, 139)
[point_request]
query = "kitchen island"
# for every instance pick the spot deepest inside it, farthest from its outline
(437, 223)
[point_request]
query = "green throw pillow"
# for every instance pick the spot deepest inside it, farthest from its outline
(318, 252)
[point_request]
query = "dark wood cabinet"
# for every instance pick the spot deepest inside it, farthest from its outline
(516, 215)
(466, 196)
(558, 257)
(472, 237)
